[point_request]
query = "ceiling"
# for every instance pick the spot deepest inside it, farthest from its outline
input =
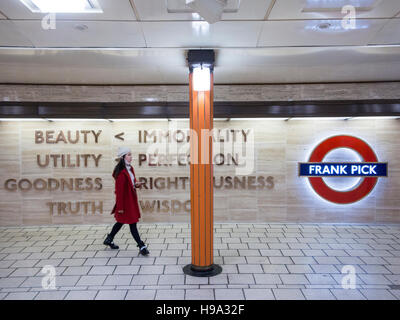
(146, 41)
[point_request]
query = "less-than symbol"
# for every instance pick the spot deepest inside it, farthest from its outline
(118, 136)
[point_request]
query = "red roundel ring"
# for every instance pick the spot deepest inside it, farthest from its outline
(343, 197)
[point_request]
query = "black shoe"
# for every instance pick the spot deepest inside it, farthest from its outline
(143, 250)
(109, 242)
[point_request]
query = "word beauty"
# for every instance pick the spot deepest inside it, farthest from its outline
(52, 137)
(370, 169)
(343, 169)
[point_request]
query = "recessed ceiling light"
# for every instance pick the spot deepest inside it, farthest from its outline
(63, 6)
(334, 25)
(81, 27)
(324, 25)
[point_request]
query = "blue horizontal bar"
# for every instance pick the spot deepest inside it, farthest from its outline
(345, 169)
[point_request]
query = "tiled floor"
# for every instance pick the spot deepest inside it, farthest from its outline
(259, 261)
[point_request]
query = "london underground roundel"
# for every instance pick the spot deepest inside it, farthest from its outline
(369, 169)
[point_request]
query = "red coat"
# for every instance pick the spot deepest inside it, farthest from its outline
(126, 199)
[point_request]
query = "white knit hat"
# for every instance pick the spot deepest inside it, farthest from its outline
(123, 151)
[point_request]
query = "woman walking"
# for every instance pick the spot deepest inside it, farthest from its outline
(126, 209)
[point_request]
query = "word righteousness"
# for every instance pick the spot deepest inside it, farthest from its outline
(222, 182)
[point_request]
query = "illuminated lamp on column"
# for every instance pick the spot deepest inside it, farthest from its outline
(201, 79)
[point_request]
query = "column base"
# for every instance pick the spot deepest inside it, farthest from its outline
(197, 271)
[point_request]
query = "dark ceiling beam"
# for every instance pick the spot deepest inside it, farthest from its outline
(181, 109)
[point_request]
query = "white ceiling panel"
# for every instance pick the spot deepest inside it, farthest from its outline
(81, 66)
(201, 34)
(390, 34)
(249, 10)
(97, 34)
(157, 10)
(294, 9)
(168, 66)
(11, 37)
(307, 65)
(309, 33)
(112, 10)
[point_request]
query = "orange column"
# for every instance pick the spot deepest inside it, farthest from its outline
(201, 182)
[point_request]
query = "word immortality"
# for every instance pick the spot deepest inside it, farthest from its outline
(179, 136)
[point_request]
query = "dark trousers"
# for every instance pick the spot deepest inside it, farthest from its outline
(134, 231)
